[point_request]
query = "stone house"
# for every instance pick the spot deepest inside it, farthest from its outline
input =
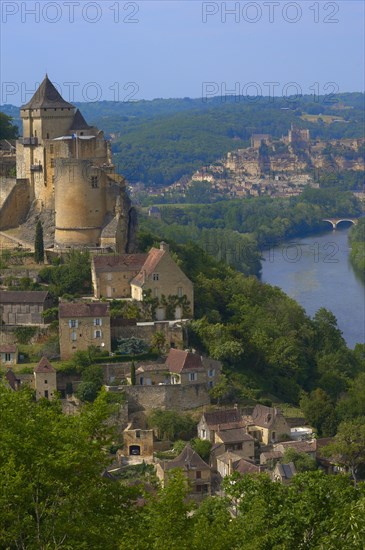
(213, 421)
(138, 442)
(151, 375)
(267, 425)
(8, 354)
(196, 471)
(24, 307)
(284, 472)
(235, 439)
(112, 274)
(187, 368)
(307, 447)
(83, 324)
(45, 382)
(161, 278)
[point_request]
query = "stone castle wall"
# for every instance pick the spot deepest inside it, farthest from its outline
(16, 205)
(170, 397)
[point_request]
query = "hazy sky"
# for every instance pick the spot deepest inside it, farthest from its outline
(111, 50)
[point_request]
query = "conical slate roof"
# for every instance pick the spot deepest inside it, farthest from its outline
(47, 97)
(79, 123)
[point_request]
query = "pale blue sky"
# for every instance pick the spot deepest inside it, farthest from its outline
(170, 52)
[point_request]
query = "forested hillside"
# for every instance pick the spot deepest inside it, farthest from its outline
(236, 230)
(157, 142)
(357, 243)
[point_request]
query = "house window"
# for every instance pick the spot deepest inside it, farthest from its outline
(155, 292)
(97, 322)
(97, 334)
(47, 132)
(192, 376)
(7, 357)
(109, 276)
(46, 394)
(180, 291)
(73, 336)
(46, 382)
(138, 433)
(155, 276)
(210, 384)
(273, 435)
(204, 434)
(198, 474)
(211, 373)
(73, 323)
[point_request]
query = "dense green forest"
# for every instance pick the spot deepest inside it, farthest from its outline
(157, 142)
(357, 243)
(236, 230)
(7, 128)
(53, 494)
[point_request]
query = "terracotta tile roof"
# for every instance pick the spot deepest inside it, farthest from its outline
(44, 366)
(23, 296)
(187, 459)
(8, 348)
(246, 467)
(265, 416)
(153, 259)
(215, 418)
(179, 360)
(237, 435)
(83, 309)
(47, 96)
(228, 425)
(118, 262)
(300, 446)
(268, 455)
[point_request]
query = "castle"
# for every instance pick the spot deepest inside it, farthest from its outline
(64, 170)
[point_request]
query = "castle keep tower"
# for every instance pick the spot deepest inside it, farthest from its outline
(69, 168)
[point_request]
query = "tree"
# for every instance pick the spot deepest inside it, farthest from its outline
(50, 471)
(133, 374)
(38, 243)
(172, 425)
(348, 449)
(158, 341)
(320, 412)
(7, 129)
(302, 461)
(132, 346)
(92, 379)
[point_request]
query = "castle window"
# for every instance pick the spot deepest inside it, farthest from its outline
(94, 182)
(51, 149)
(45, 382)
(53, 178)
(52, 163)
(47, 133)
(155, 276)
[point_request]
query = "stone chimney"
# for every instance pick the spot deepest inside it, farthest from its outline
(164, 246)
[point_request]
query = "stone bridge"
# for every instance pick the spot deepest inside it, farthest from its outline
(336, 221)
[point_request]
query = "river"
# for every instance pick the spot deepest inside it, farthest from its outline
(316, 271)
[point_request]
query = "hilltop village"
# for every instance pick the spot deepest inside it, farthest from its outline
(272, 167)
(126, 332)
